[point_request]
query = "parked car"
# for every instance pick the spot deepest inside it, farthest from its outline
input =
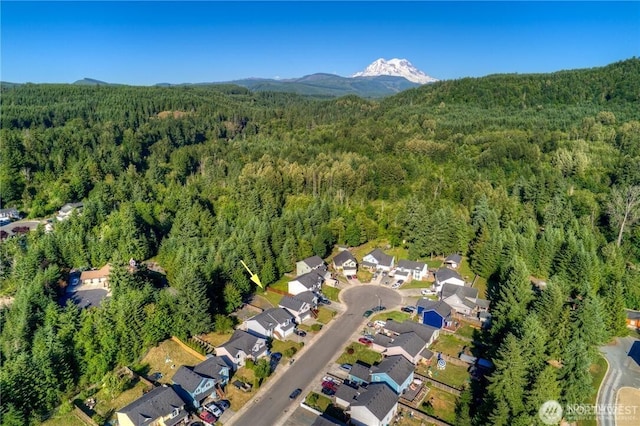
(367, 313)
(409, 309)
(379, 323)
(400, 282)
(300, 333)
(427, 292)
(378, 308)
(365, 341)
(328, 391)
(276, 356)
(346, 367)
(207, 417)
(213, 409)
(396, 285)
(324, 301)
(369, 336)
(295, 393)
(330, 384)
(223, 404)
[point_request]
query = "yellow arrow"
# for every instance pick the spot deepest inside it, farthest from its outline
(254, 277)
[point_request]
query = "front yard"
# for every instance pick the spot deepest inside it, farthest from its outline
(331, 292)
(394, 315)
(283, 346)
(417, 284)
(359, 352)
(325, 315)
(237, 397)
(449, 345)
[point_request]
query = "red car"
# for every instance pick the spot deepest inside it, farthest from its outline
(330, 385)
(365, 341)
(207, 417)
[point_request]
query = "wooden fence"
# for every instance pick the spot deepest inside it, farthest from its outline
(422, 415)
(188, 349)
(438, 384)
(276, 291)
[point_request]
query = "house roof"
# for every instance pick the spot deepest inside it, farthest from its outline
(348, 393)
(439, 306)
(156, 403)
(381, 257)
(453, 258)
(361, 371)
(313, 262)
(462, 291)
(187, 379)
(98, 273)
(382, 340)
(379, 399)
(292, 303)
(307, 297)
(424, 331)
(444, 274)
(410, 342)
(343, 257)
(426, 353)
(397, 367)
(482, 303)
(241, 341)
(310, 279)
(632, 315)
(273, 317)
(69, 207)
(411, 265)
(213, 367)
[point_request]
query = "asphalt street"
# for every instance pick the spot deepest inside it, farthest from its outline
(273, 405)
(624, 370)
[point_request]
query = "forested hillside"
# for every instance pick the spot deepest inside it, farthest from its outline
(529, 175)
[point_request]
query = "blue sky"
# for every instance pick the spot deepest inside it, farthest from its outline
(151, 42)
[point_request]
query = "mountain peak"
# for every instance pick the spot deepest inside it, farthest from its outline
(395, 67)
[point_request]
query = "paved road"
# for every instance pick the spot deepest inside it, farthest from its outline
(273, 406)
(624, 370)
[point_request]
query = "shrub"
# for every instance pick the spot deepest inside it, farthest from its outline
(350, 350)
(250, 364)
(290, 352)
(316, 327)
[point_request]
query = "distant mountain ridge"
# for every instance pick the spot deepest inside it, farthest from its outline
(397, 68)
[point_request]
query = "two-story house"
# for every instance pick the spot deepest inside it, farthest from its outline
(396, 371)
(311, 281)
(299, 308)
(161, 406)
(310, 264)
(447, 276)
(463, 300)
(345, 262)
(427, 333)
(375, 406)
(240, 347)
(435, 313)
(67, 210)
(193, 385)
(378, 260)
(416, 270)
(277, 323)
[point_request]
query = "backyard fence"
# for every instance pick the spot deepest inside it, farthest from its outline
(424, 416)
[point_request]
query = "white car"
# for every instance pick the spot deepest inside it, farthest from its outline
(213, 409)
(427, 292)
(396, 285)
(379, 323)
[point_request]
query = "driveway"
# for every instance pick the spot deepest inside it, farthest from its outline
(623, 357)
(271, 405)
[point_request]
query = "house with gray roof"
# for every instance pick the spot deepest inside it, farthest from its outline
(345, 262)
(300, 309)
(453, 260)
(409, 345)
(435, 313)
(378, 260)
(348, 393)
(396, 371)
(67, 210)
(425, 332)
(214, 367)
(310, 264)
(241, 346)
(160, 406)
(376, 406)
(464, 300)
(195, 384)
(360, 373)
(277, 323)
(417, 270)
(447, 276)
(311, 281)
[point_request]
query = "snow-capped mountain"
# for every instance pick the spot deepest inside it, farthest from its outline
(395, 67)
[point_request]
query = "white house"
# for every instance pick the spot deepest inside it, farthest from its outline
(240, 347)
(345, 262)
(447, 276)
(417, 270)
(463, 300)
(378, 260)
(376, 406)
(311, 281)
(275, 322)
(67, 210)
(98, 276)
(310, 264)
(300, 309)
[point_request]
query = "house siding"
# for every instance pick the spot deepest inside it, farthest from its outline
(433, 319)
(361, 416)
(397, 387)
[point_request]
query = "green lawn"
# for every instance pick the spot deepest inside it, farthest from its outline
(321, 403)
(597, 372)
(443, 403)
(466, 331)
(282, 284)
(273, 298)
(417, 284)
(360, 251)
(325, 315)
(364, 276)
(331, 292)
(360, 353)
(481, 285)
(448, 344)
(452, 375)
(68, 419)
(282, 346)
(394, 315)
(107, 406)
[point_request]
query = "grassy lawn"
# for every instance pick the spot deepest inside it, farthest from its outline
(452, 375)
(448, 344)
(466, 331)
(156, 359)
(394, 315)
(106, 407)
(216, 339)
(273, 298)
(282, 284)
(280, 346)
(360, 353)
(325, 315)
(360, 251)
(597, 372)
(417, 284)
(443, 403)
(364, 276)
(236, 397)
(481, 285)
(465, 270)
(321, 404)
(331, 292)
(68, 419)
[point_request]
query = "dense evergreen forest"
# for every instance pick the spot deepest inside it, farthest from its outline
(529, 175)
